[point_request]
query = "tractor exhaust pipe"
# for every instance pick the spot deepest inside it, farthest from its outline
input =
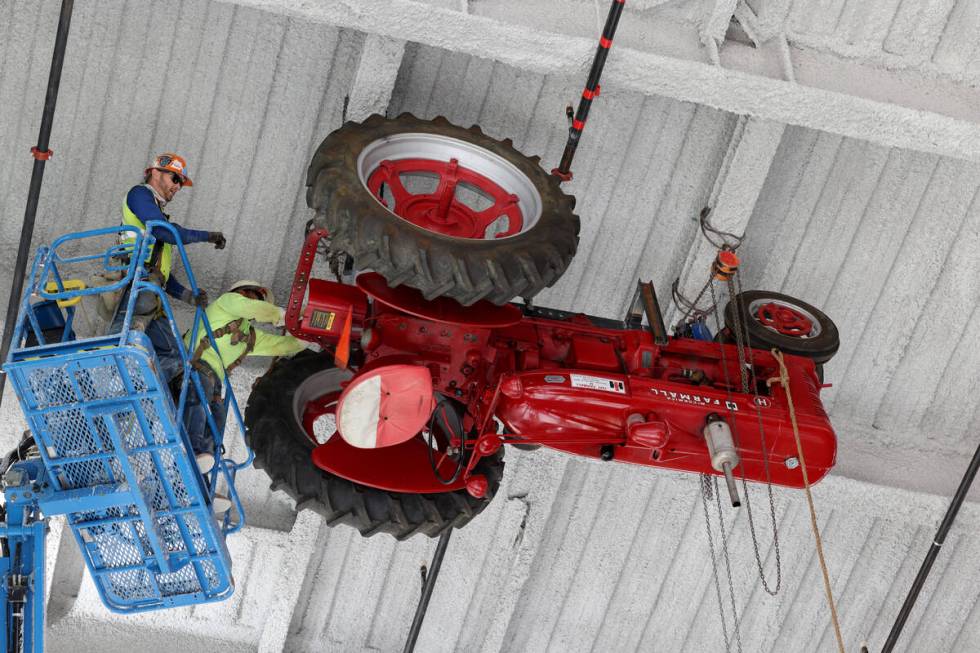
(721, 448)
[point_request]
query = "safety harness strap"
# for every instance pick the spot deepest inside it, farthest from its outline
(233, 329)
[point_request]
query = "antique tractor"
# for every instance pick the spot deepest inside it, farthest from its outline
(426, 370)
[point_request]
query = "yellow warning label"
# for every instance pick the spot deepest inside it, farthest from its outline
(322, 320)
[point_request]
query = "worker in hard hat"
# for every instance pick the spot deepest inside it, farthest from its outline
(231, 317)
(165, 175)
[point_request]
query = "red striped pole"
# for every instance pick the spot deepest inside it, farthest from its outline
(563, 171)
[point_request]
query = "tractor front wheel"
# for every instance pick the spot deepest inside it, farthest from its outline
(776, 320)
(289, 413)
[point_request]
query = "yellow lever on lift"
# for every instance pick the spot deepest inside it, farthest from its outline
(68, 284)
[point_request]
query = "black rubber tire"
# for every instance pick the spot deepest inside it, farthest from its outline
(283, 450)
(438, 265)
(821, 348)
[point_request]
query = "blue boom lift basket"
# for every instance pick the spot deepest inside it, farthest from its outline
(116, 456)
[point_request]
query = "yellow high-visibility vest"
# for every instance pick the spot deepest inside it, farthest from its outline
(130, 219)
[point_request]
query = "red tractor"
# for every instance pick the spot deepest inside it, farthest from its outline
(426, 370)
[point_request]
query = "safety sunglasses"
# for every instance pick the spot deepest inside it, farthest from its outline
(177, 179)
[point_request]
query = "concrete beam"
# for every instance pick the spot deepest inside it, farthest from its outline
(370, 92)
(903, 109)
(909, 460)
(743, 172)
(64, 570)
(298, 551)
(714, 25)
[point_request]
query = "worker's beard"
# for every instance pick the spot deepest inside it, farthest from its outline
(161, 200)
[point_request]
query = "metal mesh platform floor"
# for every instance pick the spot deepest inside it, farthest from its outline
(107, 430)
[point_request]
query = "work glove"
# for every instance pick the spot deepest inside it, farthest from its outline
(200, 299)
(281, 322)
(217, 238)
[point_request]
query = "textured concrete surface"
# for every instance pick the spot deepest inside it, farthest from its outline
(664, 57)
(856, 187)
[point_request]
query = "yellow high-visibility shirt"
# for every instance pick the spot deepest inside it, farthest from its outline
(230, 307)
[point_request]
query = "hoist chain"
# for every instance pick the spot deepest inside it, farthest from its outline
(690, 308)
(718, 238)
(707, 490)
(742, 319)
(740, 336)
(740, 342)
(728, 563)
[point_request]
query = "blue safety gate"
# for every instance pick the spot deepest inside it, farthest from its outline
(109, 432)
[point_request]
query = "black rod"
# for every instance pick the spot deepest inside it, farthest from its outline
(563, 171)
(937, 543)
(430, 583)
(41, 155)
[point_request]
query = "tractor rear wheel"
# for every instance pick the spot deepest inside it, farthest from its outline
(444, 209)
(776, 320)
(283, 438)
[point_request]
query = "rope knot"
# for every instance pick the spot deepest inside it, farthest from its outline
(783, 378)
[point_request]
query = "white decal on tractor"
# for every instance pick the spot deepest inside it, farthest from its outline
(598, 383)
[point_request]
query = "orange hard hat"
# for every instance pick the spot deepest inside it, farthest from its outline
(171, 163)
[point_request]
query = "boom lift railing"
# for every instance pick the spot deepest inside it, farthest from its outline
(110, 448)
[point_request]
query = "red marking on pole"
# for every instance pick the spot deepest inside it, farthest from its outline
(588, 95)
(41, 155)
(605, 43)
(578, 124)
(564, 176)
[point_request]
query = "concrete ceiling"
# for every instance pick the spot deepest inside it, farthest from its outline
(842, 137)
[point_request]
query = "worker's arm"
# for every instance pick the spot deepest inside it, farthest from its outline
(269, 344)
(250, 309)
(176, 290)
(141, 202)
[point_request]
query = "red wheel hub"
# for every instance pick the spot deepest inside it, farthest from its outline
(784, 320)
(441, 211)
(324, 406)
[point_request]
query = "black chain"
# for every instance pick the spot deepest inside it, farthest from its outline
(705, 483)
(740, 337)
(740, 345)
(728, 563)
(742, 318)
(684, 304)
(720, 239)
